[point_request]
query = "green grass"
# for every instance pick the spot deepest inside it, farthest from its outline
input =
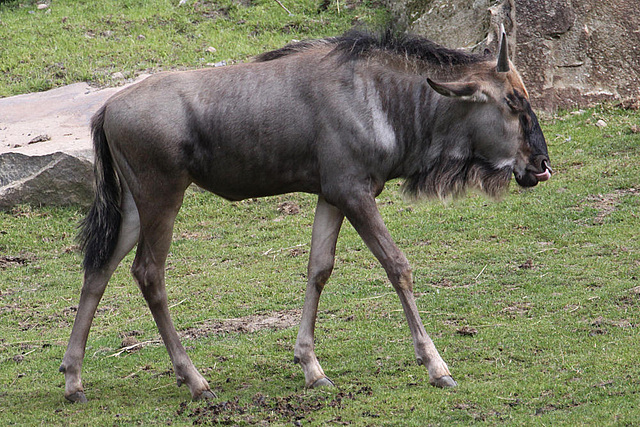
(85, 40)
(549, 277)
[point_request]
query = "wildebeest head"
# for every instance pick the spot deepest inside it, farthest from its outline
(505, 130)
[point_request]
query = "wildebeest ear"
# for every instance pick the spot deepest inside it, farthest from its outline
(468, 90)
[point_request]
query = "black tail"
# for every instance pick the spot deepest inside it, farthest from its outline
(99, 230)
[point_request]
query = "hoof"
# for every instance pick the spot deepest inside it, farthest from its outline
(77, 397)
(205, 395)
(444, 382)
(322, 382)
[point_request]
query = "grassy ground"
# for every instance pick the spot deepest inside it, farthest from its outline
(533, 301)
(105, 41)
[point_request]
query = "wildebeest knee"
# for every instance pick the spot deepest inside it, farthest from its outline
(402, 279)
(146, 276)
(94, 283)
(319, 276)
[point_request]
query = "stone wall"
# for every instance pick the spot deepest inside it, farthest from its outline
(571, 53)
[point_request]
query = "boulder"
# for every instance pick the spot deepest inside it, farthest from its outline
(579, 52)
(45, 145)
(571, 53)
(51, 179)
(466, 24)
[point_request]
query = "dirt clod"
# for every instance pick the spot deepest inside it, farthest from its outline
(288, 208)
(129, 341)
(266, 409)
(467, 330)
(527, 265)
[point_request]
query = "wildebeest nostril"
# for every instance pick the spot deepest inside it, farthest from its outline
(540, 164)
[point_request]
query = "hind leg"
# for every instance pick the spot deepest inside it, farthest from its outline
(95, 282)
(157, 217)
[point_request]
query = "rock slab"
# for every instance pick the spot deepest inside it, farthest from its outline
(45, 146)
(577, 53)
(52, 179)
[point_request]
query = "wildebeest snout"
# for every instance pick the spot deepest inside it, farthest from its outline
(539, 169)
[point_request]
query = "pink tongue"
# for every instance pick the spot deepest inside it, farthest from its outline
(543, 176)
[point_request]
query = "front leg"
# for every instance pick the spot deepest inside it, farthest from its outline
(326, 227)
(426, 352)
(363, 213)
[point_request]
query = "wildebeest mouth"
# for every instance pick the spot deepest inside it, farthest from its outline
(531, 177)
(547, 171)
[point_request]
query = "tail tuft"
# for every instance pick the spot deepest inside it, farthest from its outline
(99, 230)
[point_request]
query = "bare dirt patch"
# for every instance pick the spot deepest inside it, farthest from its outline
(448, 284)
(15, 261)
(553, 407)
(517, 309)
(289, 208)
(264, 410)
(601, 325)
(601, 321)
(247, 324)
(467, 331)
(606, 204)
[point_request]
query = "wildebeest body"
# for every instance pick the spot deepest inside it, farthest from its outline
(337, 117)
(219, 138)
(241, 133)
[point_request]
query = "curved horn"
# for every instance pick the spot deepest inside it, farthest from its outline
(503, 56)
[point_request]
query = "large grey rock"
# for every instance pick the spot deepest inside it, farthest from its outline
(570, 52)
(465, 24)
(51, 179)
(579, 52)
(45, 145)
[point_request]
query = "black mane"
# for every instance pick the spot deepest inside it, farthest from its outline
(292, 48)
(356, 44)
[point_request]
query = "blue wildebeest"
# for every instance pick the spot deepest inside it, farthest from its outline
(336, 117)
